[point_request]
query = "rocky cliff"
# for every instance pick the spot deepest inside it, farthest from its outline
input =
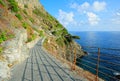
(22, 24)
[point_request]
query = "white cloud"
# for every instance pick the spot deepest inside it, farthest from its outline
(66, 18)
(80, 8)
(90, 10)
(99, 6)
(116, 18)
(85, 7)
(93, 18)
(74, 5)
(118, 13)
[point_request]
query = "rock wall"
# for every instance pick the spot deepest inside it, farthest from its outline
(15, 50)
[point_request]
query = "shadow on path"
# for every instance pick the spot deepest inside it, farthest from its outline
(41, 66)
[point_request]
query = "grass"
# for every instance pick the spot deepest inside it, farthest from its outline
(13, 5)
(49, 17)
(31, 19)
(25, 6)
(60, 42)
(25, 12)
(25, 25)
(31, 34)
(31, 38)
(18, 16)
(1, 49)
(59, 25)
(3, 37)
(2, 2)
(38, 12)
(39, 31)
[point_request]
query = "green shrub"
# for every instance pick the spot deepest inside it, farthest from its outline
(75, 37)
(2, 2)
(25, 25)
(3, 37)
(54, 32)
(1, 49)
(33, 36)
(14, 5)
(38, 12)
(68, 37)
(41, 33)
(25, 11)
(60, 41)
(1, 40)
(29, 40)
(25, 6)
(65, 31)
(59, 25)
(49, 17)
(31, 19)
(18, 16)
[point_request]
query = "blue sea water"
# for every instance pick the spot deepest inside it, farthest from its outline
(109, 59)
(99, 39)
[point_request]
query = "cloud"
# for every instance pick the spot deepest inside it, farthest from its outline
(99, 6)
(118, 13)
(74, 5)
(93, 18)
(80, 8)
(85, 7)
(116, 18)
(66, 18)
(89, 10)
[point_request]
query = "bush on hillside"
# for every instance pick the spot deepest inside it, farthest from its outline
(14, 5)
(31, 19)
(38, 12)
(1, 49)
(25, 6)
(25, 11)
(2, 2)
(3, 37)
(25, 25)
(18, 16)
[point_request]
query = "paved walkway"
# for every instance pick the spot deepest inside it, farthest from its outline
(41, 66)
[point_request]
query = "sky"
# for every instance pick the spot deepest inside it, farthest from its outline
(85, 15)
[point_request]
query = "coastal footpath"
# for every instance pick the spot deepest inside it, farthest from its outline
(41, 66)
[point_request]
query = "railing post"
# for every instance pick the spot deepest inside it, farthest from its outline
(97, 66)
(74, 62)
(71, 57)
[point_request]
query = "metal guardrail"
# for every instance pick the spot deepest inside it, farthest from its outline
(106, 62)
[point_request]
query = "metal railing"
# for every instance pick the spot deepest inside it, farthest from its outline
(102, 62)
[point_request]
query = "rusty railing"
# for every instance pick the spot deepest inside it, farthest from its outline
(102, 62)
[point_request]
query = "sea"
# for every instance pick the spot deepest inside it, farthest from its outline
(104, 46)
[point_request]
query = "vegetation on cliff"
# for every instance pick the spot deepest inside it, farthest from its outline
(18, 14)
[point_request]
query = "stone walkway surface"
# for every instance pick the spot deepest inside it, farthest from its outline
(41, 66)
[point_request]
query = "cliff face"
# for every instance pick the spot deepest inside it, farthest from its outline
(22, 24)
